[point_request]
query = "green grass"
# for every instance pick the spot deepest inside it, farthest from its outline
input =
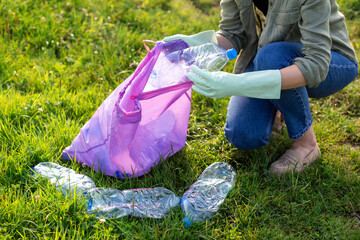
(59, 61)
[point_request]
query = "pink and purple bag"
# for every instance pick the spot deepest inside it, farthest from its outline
(138, 125)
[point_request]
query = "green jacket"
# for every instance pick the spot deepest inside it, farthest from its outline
(317, 24)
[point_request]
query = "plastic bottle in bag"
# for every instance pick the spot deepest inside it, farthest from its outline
(208, 56)
(143, 202)
(65, 180)
(205, 196)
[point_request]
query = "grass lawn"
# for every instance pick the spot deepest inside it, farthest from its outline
(60, 59)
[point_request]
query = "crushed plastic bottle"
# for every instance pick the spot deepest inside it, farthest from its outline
(65, 179)
(142, 202)
(208, 56)
(199, 203)
(205, 196)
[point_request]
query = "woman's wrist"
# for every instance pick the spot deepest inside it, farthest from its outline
(224, 42)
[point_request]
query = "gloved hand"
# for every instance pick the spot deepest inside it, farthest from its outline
(260, 84)
(196, 39)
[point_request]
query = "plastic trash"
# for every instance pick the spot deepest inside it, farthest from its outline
(208, 56)
(65, 179)
(144, 202)
(205, 196)
(133, 130)
(200, 202)
(107, 202)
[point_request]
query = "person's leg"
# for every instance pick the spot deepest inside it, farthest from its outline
(294, 103)
(342, 72)
(249, 121)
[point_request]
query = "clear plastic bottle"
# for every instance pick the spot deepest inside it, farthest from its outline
(143, 202)
(208, 56)
(65, 179)
(205, 196)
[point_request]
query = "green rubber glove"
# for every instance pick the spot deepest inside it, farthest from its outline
(196, 39)
(260, 84)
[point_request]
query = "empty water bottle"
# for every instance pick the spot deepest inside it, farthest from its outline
(65, 179)
(143, 202)
(205, 196)
(207, 56)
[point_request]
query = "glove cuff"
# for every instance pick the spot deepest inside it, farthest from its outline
(203, 38)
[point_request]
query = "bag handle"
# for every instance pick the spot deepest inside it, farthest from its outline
(146, 46)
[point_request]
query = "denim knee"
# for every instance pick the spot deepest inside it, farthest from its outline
(244, 139)
(276, 55)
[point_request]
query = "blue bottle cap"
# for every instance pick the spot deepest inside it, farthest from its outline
(89, 204)
(187, 222)
(231, 53)
(183, 199)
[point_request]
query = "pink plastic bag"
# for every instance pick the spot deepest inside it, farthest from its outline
(134, 129)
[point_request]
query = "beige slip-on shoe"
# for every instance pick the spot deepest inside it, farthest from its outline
(291, 161)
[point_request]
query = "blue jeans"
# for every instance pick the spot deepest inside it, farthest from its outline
(249, 120)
